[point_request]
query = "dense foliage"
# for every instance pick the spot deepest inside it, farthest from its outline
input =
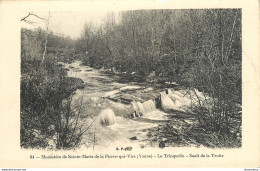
(44, 85)
(170, 42)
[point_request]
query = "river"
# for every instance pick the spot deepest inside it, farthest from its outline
(126, 131)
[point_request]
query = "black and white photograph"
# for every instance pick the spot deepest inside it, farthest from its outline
(137, 84)
(138, 79)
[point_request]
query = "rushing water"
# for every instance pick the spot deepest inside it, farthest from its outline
(125, 131)
(145, 107)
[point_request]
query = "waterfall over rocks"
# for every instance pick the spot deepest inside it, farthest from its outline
(179, 99)
(166, 101)
(106, 117)
(145, 107)
(170, 92)
(140, 107)
(149, 106)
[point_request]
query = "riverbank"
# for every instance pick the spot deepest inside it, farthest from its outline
(166, 126)
(44, 88)
(182, 127)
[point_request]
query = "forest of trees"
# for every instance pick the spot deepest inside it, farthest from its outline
(170, 42)
(195, 48)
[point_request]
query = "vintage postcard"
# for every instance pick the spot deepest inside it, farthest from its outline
(97, 84)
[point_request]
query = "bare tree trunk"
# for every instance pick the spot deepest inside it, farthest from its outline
(134, 37)
(46, 38)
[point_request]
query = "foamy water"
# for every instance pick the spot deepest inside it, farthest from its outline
(98, 86)
(122, 131)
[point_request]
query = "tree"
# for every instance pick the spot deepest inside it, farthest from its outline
(44, 86)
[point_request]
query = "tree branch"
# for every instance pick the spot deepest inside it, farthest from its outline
(38, 16)
(25, 19)
(32, 14)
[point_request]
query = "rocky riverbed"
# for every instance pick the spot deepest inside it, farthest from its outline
(133, 114)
